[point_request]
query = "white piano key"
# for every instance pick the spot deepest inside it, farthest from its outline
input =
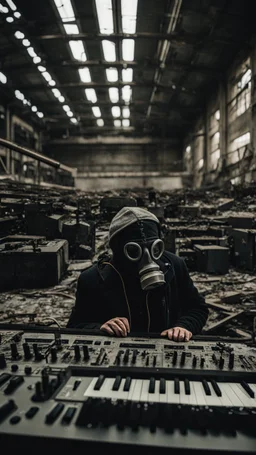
(132, 387)
(243, 396)
(200, 393)
(171, 396)
(213, 399)
(144, 390)
(137, 390)
(224, 399)
(226, 389)
(184, 399)
(155, 397)
(89, 391)
(193, 400)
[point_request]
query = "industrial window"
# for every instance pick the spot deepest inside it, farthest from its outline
(200, 164)
(214, 152)
(238, 148)
(242, 100)
(188, 159)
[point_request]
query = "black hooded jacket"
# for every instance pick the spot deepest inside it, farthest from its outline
(102, 295)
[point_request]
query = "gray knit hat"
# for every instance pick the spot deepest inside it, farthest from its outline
(127, 216)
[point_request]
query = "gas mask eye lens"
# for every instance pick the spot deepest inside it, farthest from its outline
(133, 251)
(157, 249)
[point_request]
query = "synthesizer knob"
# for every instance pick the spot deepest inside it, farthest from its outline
(53, 354)
(126, 356)
(45, 381)
(38, 391)
(14, 368)
(202, 362)
(37, 353)
(86, 352)
(77, 352)
(183, 358)
(221, 363)
(194, 362)
(174, 358)
(231, 361)
(134, 356)
(2, 361)
(27, 352)
(14, 351)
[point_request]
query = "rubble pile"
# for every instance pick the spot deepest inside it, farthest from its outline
(48, 236)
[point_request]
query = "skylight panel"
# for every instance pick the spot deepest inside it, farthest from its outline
(109, 51)
(70, 113)
(126, 123)
(105, 16)
(9, 19)
(34, 109)
(66, 108)
(126, 93)
(61, 99)
(96, 111)
(73, 120)
(3, 9)
(31, 52)
(26, 42)
(129, 15)
(126, 112)
(40, 114)
(41, 68)
(78, 51)
(65, 10)
(47, 76)
(100, 122)
(127, 75)
(116, 111)
(3, 78)
(71, 29)
(113, 94)
(128, 49)
(112, 74)
(11, 5)
(19, 95)
(84, 74)
(36, 60)
(17, 14)
(52, 83)
(19, 35)
(56, 92)
(117, 123)
(91, 95)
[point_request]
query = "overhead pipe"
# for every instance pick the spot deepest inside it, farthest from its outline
(37, 156)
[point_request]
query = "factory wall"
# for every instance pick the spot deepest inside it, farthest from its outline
(117, 166)
(15, 129)
(220, 148)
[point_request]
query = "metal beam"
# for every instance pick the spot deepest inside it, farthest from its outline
(174, 37)
(140, 83)
(160, 104)
(143, 65)
(110, 140)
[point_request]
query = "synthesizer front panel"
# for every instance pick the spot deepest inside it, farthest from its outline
(133, 393)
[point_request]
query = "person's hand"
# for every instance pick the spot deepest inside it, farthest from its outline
(117, 326)
(177, 334)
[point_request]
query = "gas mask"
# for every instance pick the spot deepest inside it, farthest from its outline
(145, 255)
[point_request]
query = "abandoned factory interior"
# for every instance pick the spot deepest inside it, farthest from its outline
(128, 226)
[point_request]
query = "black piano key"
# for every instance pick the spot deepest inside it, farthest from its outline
(216, 388)
(99, 382)
(117, 383)
(187, 386)
(176, 385)
(247, 388)
(206, 387)
(152, 383)
(162, 386)
(127, 384)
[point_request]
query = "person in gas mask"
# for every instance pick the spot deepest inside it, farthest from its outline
(141, 287)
